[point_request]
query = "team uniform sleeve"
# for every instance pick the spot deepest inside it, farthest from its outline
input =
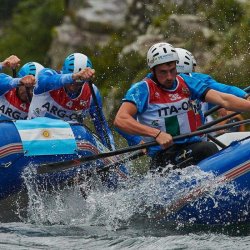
(7, 83)
(138, 95)
(1, 67)
(100, 123)
(224, 88)
(49, 79)
(197, 87)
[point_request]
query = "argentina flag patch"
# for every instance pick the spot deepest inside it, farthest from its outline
(46, 136)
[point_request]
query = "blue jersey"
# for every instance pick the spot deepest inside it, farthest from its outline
(7, 83)
(139, 94)
(50, 81)
(11, 106)
(221, 87)
(212, 84)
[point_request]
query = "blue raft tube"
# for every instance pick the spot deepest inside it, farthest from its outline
(15, 155)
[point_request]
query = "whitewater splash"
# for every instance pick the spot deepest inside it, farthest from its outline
(154, 197)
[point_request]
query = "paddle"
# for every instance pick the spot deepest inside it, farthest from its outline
(217, 107)
(44, 168)
(14, 74)
(130, 157)
(99, 114)
(216, 141)
(134, 155)
(220, 119)
(210, 124)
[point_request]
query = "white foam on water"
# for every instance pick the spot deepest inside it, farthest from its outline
(140, 196)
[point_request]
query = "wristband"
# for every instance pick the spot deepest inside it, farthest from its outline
(158, 134)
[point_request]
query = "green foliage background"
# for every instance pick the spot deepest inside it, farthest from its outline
(28, 31)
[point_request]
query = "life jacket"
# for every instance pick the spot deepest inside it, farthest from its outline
(170, 111)
(12, 107)
(57, 104)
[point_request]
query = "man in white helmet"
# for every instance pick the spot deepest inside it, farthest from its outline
(16, 93)
(67, 95)
(161, 102)
(186, 65)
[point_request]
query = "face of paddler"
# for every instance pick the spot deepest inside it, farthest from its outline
(166, 73)
(74, 87)
(25, 93)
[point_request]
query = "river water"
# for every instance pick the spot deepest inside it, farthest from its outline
(118, 219)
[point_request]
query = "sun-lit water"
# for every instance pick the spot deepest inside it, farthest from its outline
(120, 219)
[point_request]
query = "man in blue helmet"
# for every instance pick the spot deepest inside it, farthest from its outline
(10, 62)
(67, 95)
(16, 93)
(160, 107)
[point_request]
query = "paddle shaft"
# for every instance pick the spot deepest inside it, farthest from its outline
(130, 157)
(67, 165)
(100, 116)
(216, 141)
(14, 74)
(212, 123)
(221, 119)
(77, 162)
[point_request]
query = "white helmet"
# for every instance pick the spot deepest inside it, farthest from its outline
(185, 64)
(161, 53)
(194, 61)
(75, 63)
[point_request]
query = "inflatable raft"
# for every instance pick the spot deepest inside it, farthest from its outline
(221, 199)
(43, 140)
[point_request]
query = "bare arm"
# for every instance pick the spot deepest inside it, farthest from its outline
(84, 74)
(11, 62)
(227, 101)
(126, 122)
(28, 81)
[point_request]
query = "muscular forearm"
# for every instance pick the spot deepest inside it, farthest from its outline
(227, 101)
(129, 125)
(236, 104)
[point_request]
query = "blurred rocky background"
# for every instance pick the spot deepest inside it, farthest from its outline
(116, 35)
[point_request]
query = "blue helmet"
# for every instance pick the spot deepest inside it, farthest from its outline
(30, 68)
(75, 63)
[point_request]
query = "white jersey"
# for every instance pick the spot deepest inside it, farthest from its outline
(11, 106)
(57, 104)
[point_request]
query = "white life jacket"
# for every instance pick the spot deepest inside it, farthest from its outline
(12, 107)
(57, 104)
(170, 111)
